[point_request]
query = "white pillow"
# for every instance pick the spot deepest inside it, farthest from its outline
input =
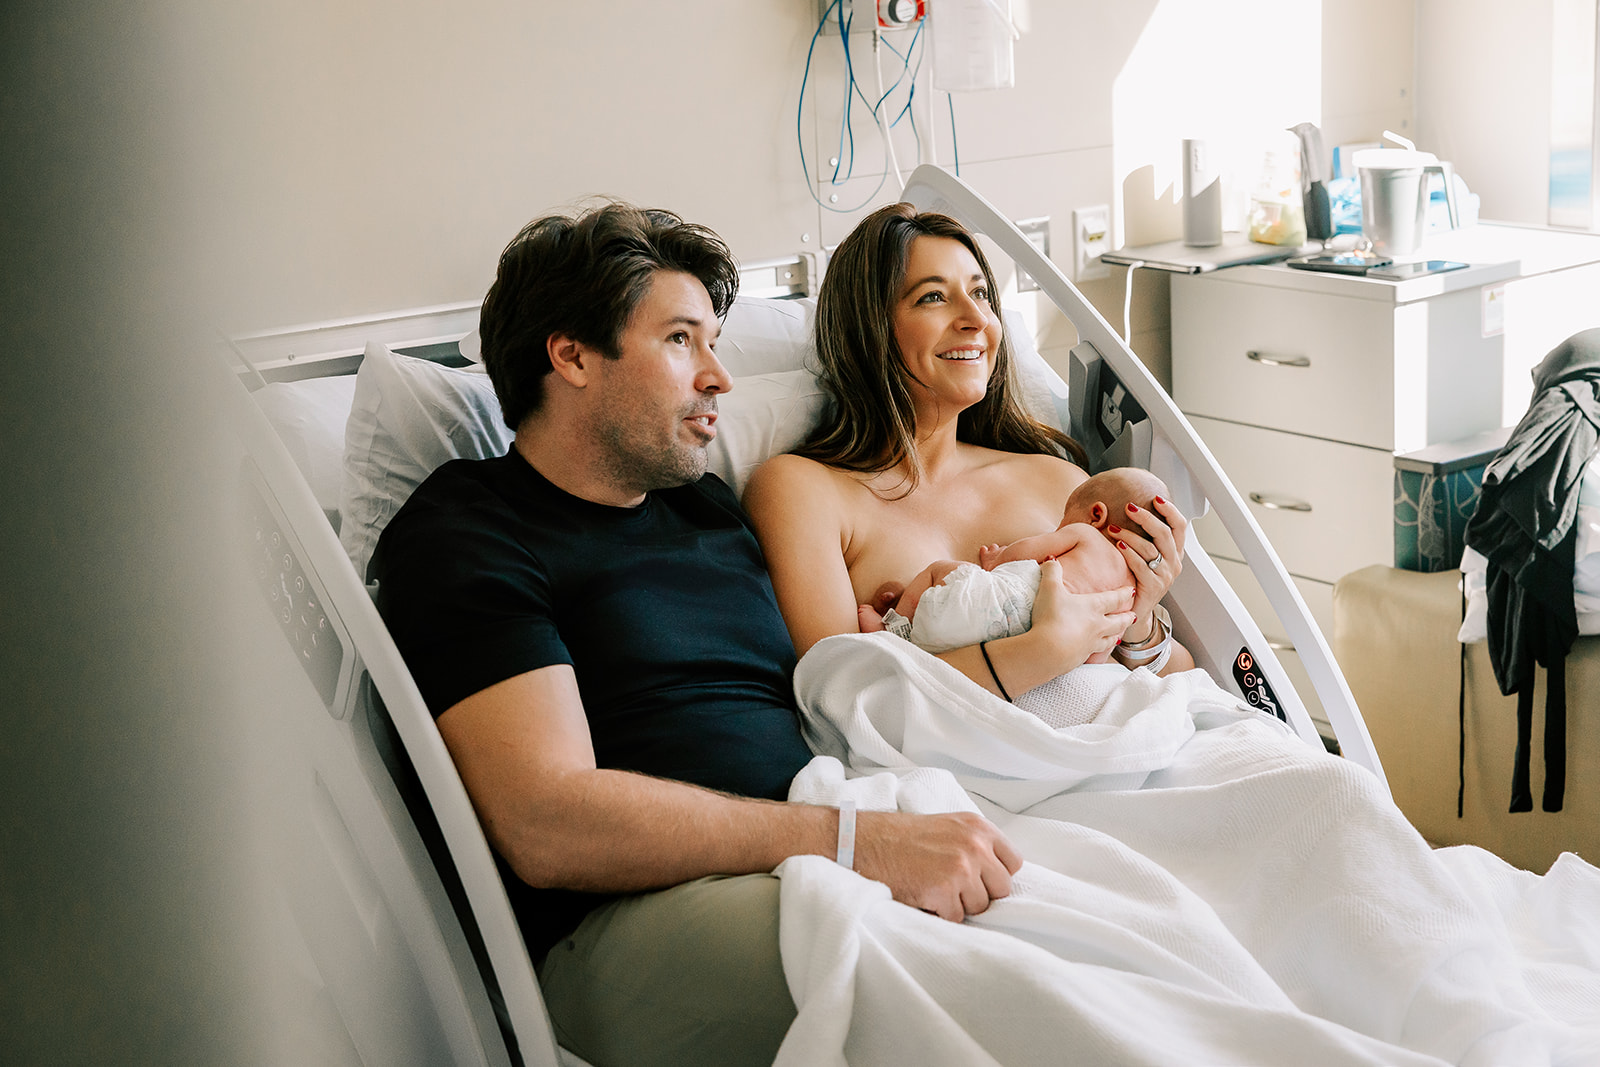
(762, 416)
(762, 335)
(310, 418)
(409, 416)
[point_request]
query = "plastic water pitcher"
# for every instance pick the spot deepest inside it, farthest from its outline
(1394, 197)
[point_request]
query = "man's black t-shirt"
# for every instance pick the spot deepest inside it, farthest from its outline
(664, 611)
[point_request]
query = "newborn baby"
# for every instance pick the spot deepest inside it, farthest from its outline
(951, 604)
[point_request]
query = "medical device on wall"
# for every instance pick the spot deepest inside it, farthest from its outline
(972, 44)
(898, 14)
(887, 104)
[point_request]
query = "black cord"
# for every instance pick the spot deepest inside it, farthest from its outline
(983, 646)
(1461, 714)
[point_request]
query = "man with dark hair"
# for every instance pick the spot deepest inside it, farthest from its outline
(590, 620)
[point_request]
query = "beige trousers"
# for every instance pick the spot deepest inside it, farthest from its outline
(687, 975)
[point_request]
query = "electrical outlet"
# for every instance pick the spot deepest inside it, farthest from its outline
(825, 10)
(1091, 238)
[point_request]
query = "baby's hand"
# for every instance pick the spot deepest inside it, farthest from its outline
(989, 556)
(869, 620)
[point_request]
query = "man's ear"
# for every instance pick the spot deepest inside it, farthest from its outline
(569, 358)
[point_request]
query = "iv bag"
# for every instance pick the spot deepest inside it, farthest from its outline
(971, 44)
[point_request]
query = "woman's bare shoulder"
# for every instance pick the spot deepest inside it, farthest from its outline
(789, 488)
(788, 474)
(1046, 471)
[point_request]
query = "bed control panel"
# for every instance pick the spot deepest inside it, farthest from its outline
(294, 597)
(1115, 430)
(1106, 420)
(1257, 693)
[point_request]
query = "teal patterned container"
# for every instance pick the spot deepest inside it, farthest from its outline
(1435, 493)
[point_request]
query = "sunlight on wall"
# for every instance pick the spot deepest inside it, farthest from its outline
(1572, 106)
(1231, 71)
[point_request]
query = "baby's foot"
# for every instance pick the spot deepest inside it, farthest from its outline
(989, 556)
(869, 620)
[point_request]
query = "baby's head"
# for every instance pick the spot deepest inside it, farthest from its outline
(1109, 493)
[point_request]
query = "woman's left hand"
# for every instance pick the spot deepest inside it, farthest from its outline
(1153, 547)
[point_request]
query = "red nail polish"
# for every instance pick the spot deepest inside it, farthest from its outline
(1158, 500)
(1133, 509)
(1113, 529)
(1122, 546)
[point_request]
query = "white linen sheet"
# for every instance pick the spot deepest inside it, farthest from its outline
(1201, 887)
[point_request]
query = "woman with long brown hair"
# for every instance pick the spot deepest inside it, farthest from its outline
(926, 454)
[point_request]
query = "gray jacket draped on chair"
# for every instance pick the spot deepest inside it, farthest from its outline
(1524, 526)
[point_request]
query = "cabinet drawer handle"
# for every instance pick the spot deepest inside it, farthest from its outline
(1280, 646)
(1279, 503)
(1278, 361)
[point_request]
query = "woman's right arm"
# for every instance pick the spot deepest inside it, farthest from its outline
(1067, 629)
(800, 521)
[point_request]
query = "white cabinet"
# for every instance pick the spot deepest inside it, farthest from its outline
(1326, 507)
(1304, 385)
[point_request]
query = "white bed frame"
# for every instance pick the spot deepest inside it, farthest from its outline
(421, 845)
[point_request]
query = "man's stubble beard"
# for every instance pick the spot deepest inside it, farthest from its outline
(644, 468)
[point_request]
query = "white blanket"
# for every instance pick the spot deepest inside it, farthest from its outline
(1201, 887)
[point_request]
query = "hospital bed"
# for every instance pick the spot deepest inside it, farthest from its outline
(330, 455)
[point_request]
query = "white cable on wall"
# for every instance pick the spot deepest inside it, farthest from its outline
(878, 113)
(1127, 302)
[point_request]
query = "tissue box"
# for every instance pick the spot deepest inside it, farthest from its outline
(1435, 493)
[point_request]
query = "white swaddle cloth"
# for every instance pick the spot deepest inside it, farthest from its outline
(973, 605)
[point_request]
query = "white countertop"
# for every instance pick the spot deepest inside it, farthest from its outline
(1495, 252)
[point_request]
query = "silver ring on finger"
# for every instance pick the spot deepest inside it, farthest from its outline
(1154, 563)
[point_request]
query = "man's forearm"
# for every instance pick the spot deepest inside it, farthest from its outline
(614, 831)
(611, 831)
(523, 749)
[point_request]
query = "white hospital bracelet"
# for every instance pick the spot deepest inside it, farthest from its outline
(846, 854)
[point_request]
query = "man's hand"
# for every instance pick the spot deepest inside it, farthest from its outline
(950, 865)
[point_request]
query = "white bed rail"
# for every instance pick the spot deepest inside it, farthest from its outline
(1204, 601)
(372, 652)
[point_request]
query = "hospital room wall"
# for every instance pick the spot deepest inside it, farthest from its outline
(349, 159)
(1483, 99)
(348, 164)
